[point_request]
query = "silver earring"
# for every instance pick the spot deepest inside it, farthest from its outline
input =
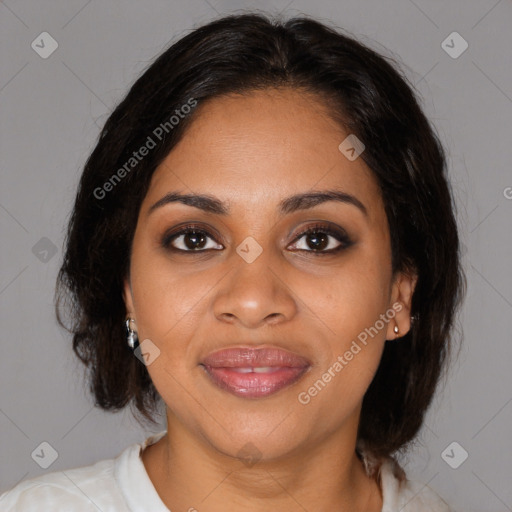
(396, 330)
(131, 337)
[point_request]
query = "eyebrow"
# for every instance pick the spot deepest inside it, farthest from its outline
(288, 205)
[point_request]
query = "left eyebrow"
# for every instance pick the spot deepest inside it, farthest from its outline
(308, 200)
(288, 205)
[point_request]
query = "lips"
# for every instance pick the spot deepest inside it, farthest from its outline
(254, 373)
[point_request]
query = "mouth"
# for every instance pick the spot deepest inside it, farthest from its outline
(254, 373)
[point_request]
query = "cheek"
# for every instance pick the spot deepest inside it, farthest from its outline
(354, 296)
(169, 309)
(170, 305)
(353, 305)
(351, 309)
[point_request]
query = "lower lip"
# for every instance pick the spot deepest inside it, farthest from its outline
(254, 385)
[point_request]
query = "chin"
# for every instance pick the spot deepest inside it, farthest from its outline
(253, 437)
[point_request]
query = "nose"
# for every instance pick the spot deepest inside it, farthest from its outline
(254, 294)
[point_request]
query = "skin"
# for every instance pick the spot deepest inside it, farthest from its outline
(251, 152)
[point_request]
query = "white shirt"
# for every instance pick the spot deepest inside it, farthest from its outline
(123, 485)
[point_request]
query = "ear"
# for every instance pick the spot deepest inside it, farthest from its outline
(401, 298)
(128, 299)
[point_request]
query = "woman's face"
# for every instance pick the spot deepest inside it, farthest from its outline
(249, 279)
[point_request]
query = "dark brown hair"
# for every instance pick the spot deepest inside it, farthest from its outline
(365, 93)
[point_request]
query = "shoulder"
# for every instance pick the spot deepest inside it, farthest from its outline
(108, 485)
(83, 489)
(404, 495)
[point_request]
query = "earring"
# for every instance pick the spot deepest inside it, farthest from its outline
(131, 337)
(396, 330)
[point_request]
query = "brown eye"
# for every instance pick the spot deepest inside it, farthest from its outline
(322, 239)
(190, 239)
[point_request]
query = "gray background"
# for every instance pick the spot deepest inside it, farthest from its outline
(52, 110)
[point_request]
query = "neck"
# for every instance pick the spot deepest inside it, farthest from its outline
(189, 473)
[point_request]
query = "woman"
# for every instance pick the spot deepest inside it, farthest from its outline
(264, 242)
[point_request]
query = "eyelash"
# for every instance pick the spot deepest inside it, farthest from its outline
(340, 235)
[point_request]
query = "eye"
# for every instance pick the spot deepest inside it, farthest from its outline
(190, 239)
(322, 239)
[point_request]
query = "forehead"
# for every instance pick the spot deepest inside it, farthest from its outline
(261, 146)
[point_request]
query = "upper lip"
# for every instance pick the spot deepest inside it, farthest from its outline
(241, 357)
